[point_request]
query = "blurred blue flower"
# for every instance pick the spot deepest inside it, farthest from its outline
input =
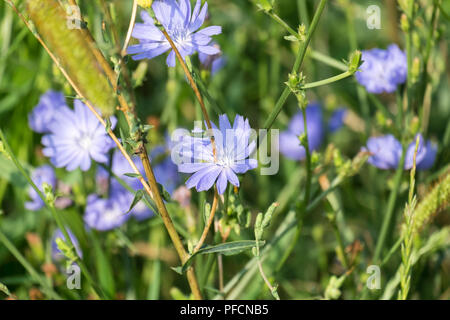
(289, 140)
(429, 158)
(233, 149)
(386, 152)
(119, 167)
(57, 255)
(166, 172)
(40, 175)
(106, 214)
(336, 120)
(382, 70)
(42, 115)
(212, 62)
(182, 27)
(75, 137)
(421, 152)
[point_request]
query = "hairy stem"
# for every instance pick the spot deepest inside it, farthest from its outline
(208, 224)
(297, 64)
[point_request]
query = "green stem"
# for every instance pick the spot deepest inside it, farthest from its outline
(320, 83)
(204, 90)
(390, 209)
(316, 55)
(361, 92)
(52, 209)
(306, 195)
(303, 12)
(391, 252)
(445, 14)
(341, 246)
(308, 160)
(281, 22)
(409, 54)
(424, 119)
(400, 115)
(298, 63)
(292, 245)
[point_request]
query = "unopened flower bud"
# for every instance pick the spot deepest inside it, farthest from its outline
(414, 126)
(355, 61)
(266, 5)
(404, 23)
(48, 193)
(302, 32)
(415, 70)
(3, 150)
(416, 40)
(403, 4)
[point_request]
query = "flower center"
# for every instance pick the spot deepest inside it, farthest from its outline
(180, 35)
(225, 161)
(85, 141)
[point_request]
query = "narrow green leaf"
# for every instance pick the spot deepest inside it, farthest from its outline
(108, 124)
(227, 249)
(4, 289)
(104, 268)
(132, 175)
(166, 195)
(137, 197)
(178, 270)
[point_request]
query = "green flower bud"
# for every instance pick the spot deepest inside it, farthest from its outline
(404, 23)
(415, 70)
(266, 5)
(355, 61)
(48, 193)
(414, 126)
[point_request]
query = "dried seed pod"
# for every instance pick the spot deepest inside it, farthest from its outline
(68, 43)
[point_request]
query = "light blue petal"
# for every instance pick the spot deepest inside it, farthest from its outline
(222, 182)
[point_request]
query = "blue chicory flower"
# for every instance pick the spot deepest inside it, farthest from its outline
(42, 115)
(233, 149)
(106, 214)
(382, 70)
(386, 152)
(57, 255)
(182, 28)
(289, 140)
(75, 137)
(336, 120)
(43, 174)
(212, 62)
